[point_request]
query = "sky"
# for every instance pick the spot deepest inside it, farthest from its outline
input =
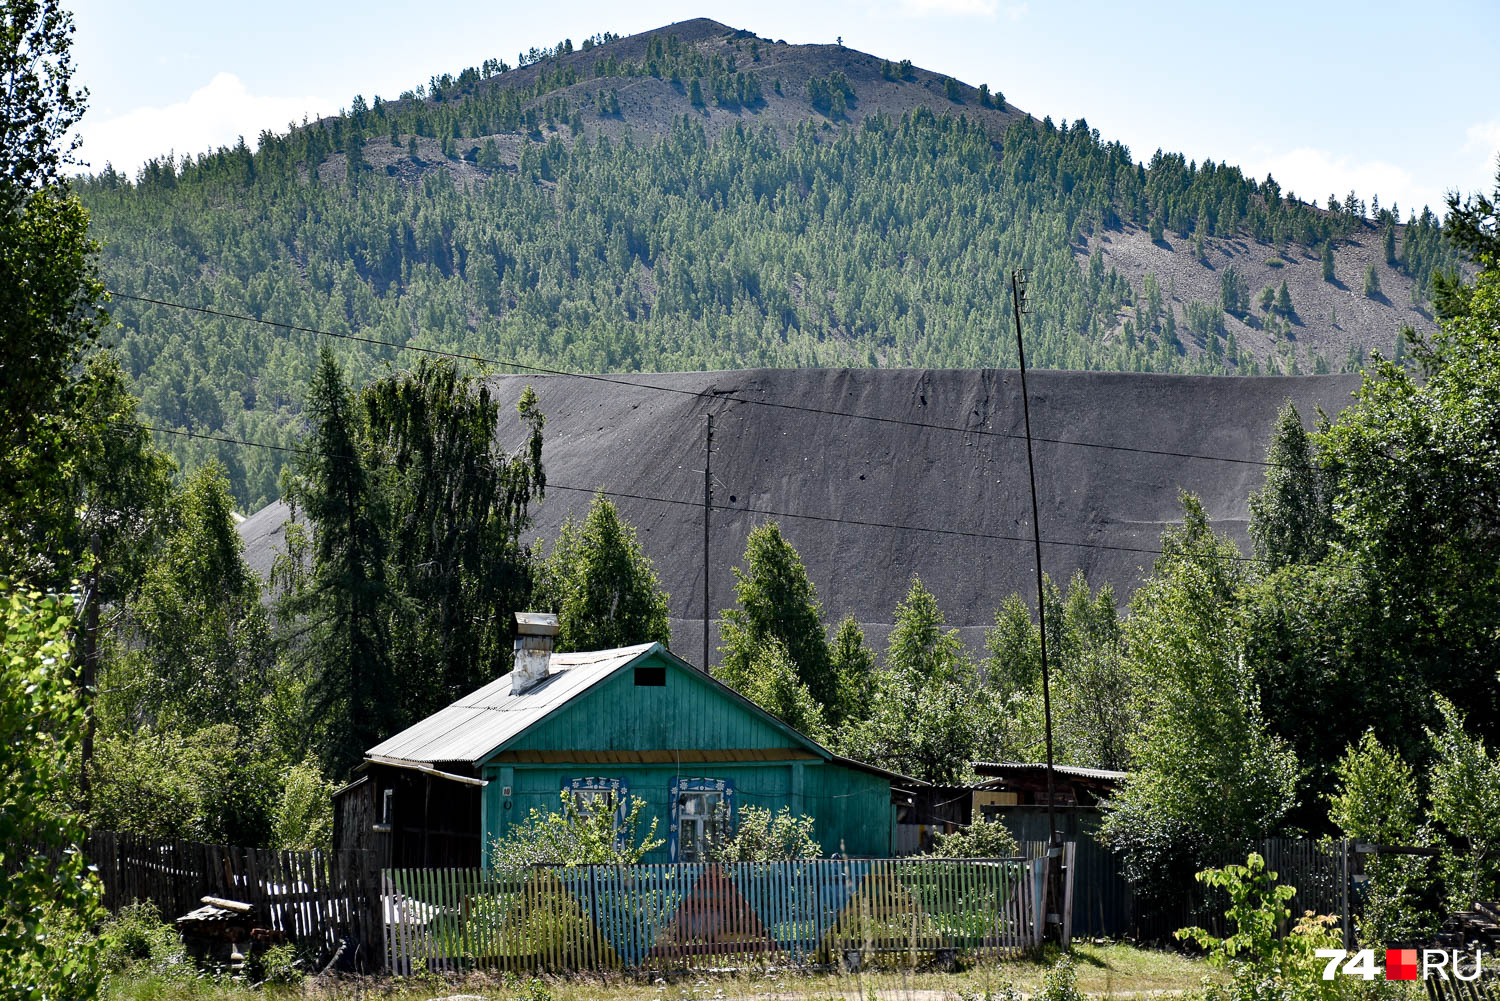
(1392, 101)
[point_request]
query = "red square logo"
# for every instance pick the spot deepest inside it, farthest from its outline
(1400, 964)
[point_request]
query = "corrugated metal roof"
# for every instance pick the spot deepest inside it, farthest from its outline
(472, 727)
(1011, 767)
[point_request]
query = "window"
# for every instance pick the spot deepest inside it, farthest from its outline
(387, 811)
(702, 814)
(650, 677)
(599, 793)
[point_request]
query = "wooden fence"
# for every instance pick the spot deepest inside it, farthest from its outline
(710, 915)
(315, 898)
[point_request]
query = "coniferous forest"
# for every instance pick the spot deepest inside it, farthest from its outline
(725, 213)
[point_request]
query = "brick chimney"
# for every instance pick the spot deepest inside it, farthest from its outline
(533, 650)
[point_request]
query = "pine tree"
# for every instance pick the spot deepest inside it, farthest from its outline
(1328, 260)
(602, 584)
(695, 93)
(1284, 300)
(347, 646)
(1291, 520)
(918, 641)
(1389, 242)
(776, 601)
(854, 665)
(1372, 283)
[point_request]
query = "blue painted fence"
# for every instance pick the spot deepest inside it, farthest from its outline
(710, 915)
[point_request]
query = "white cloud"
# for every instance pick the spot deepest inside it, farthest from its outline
(1314, 174)
(1484, 142)
(215, 115)
(982, 8)
(1016, 11)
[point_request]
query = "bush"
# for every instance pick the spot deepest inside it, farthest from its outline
(763, 836)
(278, 966)
(1061, 982)
(981, 839)
(578, 834)
(138, 941)
(303, 818)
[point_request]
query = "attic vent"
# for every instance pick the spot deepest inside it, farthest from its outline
(650, 677)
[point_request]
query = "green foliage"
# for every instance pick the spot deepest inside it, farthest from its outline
(1465, 791)
(216, 784)
(771, 682)
(931, 716)
(1291, 520)
(1234, 297)
(1328, 260)
(347, 649)
(137, 941)
(763, 836)
(1471, 227)
(1208, 776)
(1372, 283)
(952, 91)
(48, 898)
(1093, 708)
(777, 601)
(448, 508)
(854, 666)
(830, 94)
(1377, 797)
(1377, 801)
(761, 248)
(981, 839)
(205, 638)
(1060, 982)
(1257, 908)
(1414, 462)
(577, 834)
(602, 584)
(1269, 963)
(279, 966)
(303, 817)
(918, 642)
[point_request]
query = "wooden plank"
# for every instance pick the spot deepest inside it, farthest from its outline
(1070, 856)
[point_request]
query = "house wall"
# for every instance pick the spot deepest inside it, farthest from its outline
(650, 736)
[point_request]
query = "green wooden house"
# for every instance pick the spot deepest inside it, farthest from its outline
(609, 725)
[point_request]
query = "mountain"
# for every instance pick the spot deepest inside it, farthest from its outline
(697, 197)
(631, 438)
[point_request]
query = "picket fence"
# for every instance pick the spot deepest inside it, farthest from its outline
(710, 915)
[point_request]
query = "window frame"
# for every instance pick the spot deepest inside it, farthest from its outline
(681, 787)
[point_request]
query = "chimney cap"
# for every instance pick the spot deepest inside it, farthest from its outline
(536, 624)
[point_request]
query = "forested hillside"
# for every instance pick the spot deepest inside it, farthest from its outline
(699, 198)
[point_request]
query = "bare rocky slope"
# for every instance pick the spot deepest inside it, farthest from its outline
(628, 438)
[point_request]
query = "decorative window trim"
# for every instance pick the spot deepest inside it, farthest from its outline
(724, 787)
(618, 788)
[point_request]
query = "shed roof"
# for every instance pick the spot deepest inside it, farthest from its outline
(1002, 768)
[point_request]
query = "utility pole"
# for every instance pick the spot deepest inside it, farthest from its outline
(708, 503)
(1018, 302)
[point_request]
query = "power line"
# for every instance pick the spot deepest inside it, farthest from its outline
(768, 512)
(544, 370)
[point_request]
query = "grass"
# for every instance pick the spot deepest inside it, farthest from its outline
(1104, 970)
